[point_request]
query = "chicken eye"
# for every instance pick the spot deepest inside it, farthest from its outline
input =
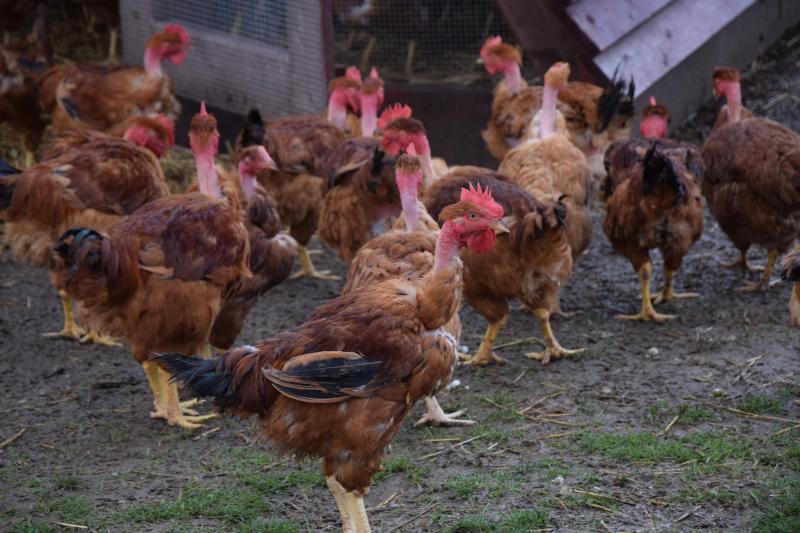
(472, 216)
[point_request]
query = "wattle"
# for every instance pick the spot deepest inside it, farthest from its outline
(482, 242)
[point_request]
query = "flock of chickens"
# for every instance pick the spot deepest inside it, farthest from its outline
(173, 274)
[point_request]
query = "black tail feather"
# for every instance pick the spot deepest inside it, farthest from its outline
(7, 185)
(253, 129)
(203, 377)
(657, 167)
(617, 98)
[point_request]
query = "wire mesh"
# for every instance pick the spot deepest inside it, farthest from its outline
(417, 40)
(263, 53)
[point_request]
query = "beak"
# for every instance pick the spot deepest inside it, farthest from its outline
(479, 61)
(499, 226)
(272, 165)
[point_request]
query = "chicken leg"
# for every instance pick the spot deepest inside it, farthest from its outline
(647, 312)
(165, 400)
(435, 415)
(307, 267)
(95, 337)
(553, 350)
(485, 355)
(667, 293)
(763, 283)
(348, 524)
(355, 505)
(71, 329)
(742, 263)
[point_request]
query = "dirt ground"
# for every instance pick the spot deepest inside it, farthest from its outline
(685, 426)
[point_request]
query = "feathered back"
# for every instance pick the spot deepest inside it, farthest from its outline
(657, 168)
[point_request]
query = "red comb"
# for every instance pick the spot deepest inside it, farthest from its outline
(373, 73)
(491, 42)
(653, 101)
(178, 30)
(482, 198)
(203, 112)
(352, 73)
(392, 113)
(410, 150)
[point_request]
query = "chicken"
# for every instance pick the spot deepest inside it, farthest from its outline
(726, 82)
(399, 129)
(339, 385)
(361, 195)
(101, 96)
(300, 147)
(790, 271)
(752, 186)
(21, 65)
(94, 184)
(407, 254)
(655, 203)
(344, 102)
(158, 278)
(370, 98)
(550, 166)
(594, 117)
(271, 255)
(530, 264)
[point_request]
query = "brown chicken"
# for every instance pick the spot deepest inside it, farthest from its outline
(399, 129)
(339, 385)
(550, 166)
(530, 264)
(407, 254)
(370, 98)
(95, 184)
(361, 195)
(726, 82)
(655, 203)
(101, 96)
(300, 147)
(344, 102)
(752, 186)
(158, 278)
(271, 254)
(21, 65)
(595, 117)
(790, 271)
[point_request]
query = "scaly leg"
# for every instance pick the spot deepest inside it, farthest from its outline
(742, 264)
(355, 505)
(307, 267)
(174, 412)
(348, 524)
(207, 352)
(647, 312)
(553, 350)
(485, 355)
(95, 337)
(763, 283)
(667, 293)
(154, 379)
(435, 415)
(112, 46)
(71, 329)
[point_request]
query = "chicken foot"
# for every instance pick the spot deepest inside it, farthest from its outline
(95, 337)
(742, 263)
(307, 267)
(165, 400)
(435, 415)
(763, 283)
(667, 293)
(553, 350)
(71, 329)
(348, 524)
(647, 312)
(485, 355)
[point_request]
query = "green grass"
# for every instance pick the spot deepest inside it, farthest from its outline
(469, 486)
(67, 481)
(661, 412)
(71, 508)
(780, 508)
(406, 464)
(524, 520)
(759, 404)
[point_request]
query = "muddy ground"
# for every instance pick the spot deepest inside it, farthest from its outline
(683, 426)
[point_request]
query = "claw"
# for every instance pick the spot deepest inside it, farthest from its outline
(552, 352)
(646, 316)
(665, 295)
(75, 332)
(95, 337)
(485, 358)
(435, 416)
(753, 286)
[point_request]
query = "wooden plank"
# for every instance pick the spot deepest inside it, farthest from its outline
(606, 21)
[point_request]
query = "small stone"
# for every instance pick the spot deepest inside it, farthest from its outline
(453, 384)
(605, 390)
(653, 351)
(717, 392)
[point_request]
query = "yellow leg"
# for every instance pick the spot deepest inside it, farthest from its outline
(435, 415)
(485, 355)
(71, 329)
(176, 413)
(355, 505)
(667, 293)
(153, 374)
(763, 283)
(553, 350)
(647, 312)
(307, 267)
(207, 352)
(348, 524)
(29, 158)
(112, 46)
(95, 337)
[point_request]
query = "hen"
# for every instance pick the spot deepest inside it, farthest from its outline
(399, 129)
(655, 203)
(361, 195)
(752, 186)
(339, 385)
(101, 96)
(530, 264)
(407, 253)
(790, 271)
(158, 278)
(344, 103)
(726, 82)
(21, 65)
(96, 183)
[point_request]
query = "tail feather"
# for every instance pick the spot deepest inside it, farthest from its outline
(7, 184)
(253, 129)
(617, 98)
(658, 167)
(790, 266)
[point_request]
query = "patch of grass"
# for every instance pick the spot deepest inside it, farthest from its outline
(525, 520)
(471, 524)
(279, 483)
(229, 504)
(780, 512)
(661, 412)
(67, 481)
(692, 494)
(469, 485)
(33, 527)
(760, 404)
(270, 525)
(71, 508)
(414, 470)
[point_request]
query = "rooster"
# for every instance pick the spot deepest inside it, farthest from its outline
(407, 253)
(158, 278)
(96, 182)
(530, 264)
(654, 203)
(339, 385)
(752, 183)
(101, 96)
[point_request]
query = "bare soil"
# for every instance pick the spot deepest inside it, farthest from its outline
(683, 426)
